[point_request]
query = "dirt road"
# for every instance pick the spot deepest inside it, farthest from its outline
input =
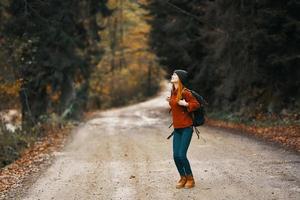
(124, 154)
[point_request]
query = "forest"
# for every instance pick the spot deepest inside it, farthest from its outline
(242, 55)
(62, 59)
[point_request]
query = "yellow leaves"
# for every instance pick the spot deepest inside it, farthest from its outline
(122, 76)
(145, 2)
(137, 37)
(105, 89)
(10, 89)
(111, 4)
(54, 95)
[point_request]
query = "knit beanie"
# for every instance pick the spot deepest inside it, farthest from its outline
(182, 75)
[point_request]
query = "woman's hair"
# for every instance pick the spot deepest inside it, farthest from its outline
(179, 90)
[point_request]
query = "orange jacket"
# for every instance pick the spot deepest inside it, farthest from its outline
(181, 114)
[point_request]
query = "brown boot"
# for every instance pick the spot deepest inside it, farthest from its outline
(181, 182)
(190, 182)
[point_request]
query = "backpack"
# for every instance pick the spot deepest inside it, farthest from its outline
(198, 116)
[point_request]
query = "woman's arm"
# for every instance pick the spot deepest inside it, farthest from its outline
(192, 103)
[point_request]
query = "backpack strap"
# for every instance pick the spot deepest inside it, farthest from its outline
(170, 135)
(196, 130)
(198, 133)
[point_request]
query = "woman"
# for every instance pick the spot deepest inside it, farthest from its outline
(182, 102)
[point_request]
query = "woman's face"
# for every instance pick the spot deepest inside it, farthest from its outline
(174, 78)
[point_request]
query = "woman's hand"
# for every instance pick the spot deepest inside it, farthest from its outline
(183, 103)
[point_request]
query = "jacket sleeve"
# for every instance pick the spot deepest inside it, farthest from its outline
(170, 102)
(192, 101)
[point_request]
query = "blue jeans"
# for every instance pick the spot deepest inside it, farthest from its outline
(181, 141)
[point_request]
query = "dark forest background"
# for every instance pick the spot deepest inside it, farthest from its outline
(50, 50)
(242, 55)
